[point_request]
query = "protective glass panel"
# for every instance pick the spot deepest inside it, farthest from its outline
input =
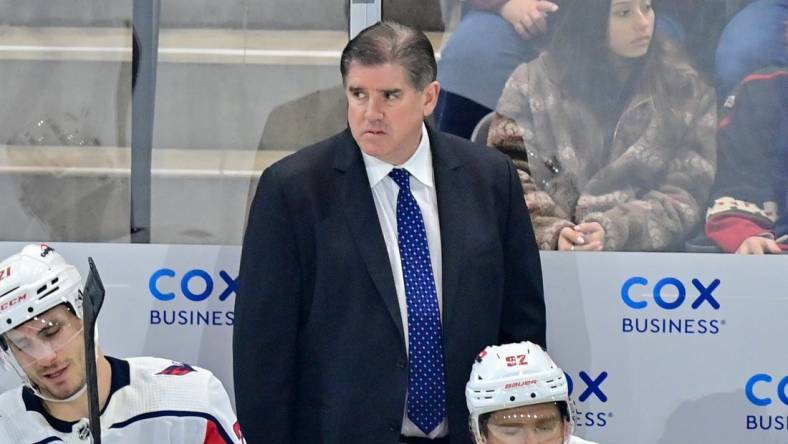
(240, 84)
(65, 120)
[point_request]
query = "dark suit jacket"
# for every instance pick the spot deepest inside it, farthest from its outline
(318, 346)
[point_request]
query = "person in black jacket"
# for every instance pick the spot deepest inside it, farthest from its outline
(377, 263)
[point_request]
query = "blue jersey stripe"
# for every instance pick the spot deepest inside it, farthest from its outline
(176, 413)
(50, 439)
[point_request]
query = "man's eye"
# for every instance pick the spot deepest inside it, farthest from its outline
(51, 331)
(391, 95)
(621, 13)
(510, 430)
(358, 94)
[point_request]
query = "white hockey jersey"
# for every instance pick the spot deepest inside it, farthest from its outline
(151, 400)
(576, 440)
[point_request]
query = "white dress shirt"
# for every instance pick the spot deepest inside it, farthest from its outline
(384, 193)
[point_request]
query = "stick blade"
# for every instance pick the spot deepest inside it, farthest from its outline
(94, 290)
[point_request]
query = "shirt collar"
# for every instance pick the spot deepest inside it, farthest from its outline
(419, 165)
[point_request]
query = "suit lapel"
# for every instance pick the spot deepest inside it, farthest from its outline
(359, 208)
(450, 188)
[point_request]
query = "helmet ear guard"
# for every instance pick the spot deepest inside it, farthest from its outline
(4, 355)
(572, 412)
(4, 358)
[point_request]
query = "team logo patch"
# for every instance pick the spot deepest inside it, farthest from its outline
(45, 250)
(177, 370)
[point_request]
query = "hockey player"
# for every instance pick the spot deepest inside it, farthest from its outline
(142, 400)
(517, 395)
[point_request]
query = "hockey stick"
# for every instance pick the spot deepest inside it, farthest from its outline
(92, 299)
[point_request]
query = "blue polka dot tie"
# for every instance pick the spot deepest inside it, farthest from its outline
(426, 379)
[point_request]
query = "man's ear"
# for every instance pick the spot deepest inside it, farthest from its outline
(430, 97)
(567, 431)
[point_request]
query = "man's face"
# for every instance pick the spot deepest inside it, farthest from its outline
(385, 112)
(530, 424)
(50, 349)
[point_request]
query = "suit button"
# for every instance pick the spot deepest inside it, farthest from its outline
(394, 426)
(402, 363)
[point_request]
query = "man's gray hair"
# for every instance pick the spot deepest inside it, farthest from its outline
(391, 42)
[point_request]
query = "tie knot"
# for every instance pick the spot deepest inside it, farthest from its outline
(402, 177)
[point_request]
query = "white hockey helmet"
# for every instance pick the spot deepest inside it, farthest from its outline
(32, 282)
(513, 375)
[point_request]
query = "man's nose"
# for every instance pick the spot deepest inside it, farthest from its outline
(530, 437)
(374, 109)
(45, 355)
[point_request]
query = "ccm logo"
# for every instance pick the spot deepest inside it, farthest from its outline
(8, 304)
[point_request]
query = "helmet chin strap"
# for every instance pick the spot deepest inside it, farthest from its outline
(76, 395)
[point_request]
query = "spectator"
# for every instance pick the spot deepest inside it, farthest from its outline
(492, 39)
(473, 69)
(748, 213)
(752, 40)
(612, 132)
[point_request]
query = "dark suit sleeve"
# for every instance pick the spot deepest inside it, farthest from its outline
(266, 318)
(523, 316)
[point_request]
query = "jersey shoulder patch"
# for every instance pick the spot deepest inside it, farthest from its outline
(177, 369)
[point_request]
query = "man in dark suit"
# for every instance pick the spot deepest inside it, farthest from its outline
(377, 264)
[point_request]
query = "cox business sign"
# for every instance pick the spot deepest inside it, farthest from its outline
(763, 390)
(585, 387)
(192, 287)
(675, 307)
